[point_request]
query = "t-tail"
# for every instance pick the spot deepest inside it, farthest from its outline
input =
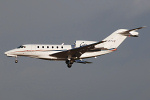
(117, 37)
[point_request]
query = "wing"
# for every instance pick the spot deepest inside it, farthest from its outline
(76, 52)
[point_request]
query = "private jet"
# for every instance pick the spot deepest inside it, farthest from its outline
(75, 53)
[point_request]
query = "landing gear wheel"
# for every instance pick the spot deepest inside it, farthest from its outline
(16, 61)
(69, 65)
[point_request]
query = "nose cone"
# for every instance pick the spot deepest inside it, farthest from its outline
(6, 53)
(9, 53)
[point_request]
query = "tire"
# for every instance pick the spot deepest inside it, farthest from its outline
(69, 65)
(16, 61)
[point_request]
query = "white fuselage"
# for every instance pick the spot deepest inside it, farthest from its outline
(44, 51)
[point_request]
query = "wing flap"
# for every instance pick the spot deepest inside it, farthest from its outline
(82, 61)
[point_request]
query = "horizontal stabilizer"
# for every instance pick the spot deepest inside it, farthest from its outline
(136, 29)
(131, 32)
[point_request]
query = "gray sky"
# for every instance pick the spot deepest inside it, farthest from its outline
(122, 75)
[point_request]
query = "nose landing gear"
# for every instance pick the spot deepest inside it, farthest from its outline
(16, 61)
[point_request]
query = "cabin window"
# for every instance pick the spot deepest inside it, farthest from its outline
(47, 46)
(57, 47)
(38, 47)
(52, 46)
(42, 46)
(62, 47)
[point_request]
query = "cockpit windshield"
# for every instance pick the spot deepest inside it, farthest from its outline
(21, 46)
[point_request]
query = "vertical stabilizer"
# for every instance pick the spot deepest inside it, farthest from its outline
(116, 38)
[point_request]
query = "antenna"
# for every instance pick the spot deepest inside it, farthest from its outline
(62, 44)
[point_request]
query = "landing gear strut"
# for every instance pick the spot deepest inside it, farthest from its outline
(69, 63)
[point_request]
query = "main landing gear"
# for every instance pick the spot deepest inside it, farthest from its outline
(69, 63)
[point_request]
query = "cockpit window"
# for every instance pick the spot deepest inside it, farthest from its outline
(21, 46)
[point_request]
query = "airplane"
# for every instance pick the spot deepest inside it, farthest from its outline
(80, 50)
